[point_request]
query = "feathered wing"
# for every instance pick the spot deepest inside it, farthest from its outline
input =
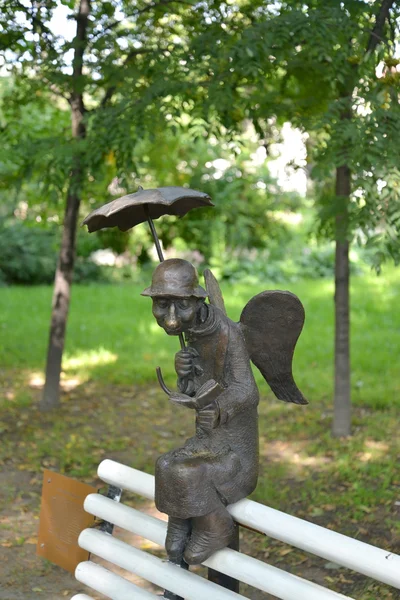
(214, 291)
(271, 323)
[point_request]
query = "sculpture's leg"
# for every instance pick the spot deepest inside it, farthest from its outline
(220, 578)
(178, 533)
(210, 533)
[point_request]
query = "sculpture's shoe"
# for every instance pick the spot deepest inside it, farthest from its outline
(177, 536)
(210, 533)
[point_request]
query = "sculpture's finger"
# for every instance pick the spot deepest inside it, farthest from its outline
(193, 352)
(184, 372)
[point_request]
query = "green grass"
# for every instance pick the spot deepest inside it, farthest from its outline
(112, 336)
(114, 409)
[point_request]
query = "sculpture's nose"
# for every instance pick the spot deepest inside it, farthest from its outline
(171, 321)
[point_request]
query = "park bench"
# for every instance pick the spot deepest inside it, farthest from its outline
(233, 565)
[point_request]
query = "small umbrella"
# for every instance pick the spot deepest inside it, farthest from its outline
(146, 205)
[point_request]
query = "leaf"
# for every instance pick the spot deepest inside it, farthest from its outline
(31, 540)
(331, 565)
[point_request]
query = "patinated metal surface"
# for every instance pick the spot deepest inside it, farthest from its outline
(219, 464)
(132, 209)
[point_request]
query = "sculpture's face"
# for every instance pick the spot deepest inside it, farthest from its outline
(176, 315)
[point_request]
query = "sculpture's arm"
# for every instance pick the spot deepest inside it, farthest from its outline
(184, 370)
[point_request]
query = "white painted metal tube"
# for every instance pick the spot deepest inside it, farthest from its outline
(126, 478)
(111, 585)
(82, 597)
(371, 561)
(126, 517)
(245, 568)
(161, 573)
(353, 554)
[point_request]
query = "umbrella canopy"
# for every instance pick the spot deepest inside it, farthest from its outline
(132, 209)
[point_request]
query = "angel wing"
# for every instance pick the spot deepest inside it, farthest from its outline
(214, 291)
(271, 323)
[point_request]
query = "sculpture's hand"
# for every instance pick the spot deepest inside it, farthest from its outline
(184, 362)
(183, 400)
(208, 417)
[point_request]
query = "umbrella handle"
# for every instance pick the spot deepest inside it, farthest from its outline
(153, 233)
(162, 382)
(163, 385)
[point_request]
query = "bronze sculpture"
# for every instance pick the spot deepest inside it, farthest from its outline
(219, 465)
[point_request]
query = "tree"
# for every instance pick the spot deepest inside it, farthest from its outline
(315, 63)
(108, 75)
(245, 195)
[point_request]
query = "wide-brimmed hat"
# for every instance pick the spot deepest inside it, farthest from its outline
(177, 278)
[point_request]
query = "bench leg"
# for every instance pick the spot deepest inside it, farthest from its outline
(114, 493)
(170, 595)
(220, 578)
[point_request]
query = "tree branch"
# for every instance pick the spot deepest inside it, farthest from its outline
(136, 14)
(161, 3)
(377, 33)
(80, 39)
(38, 25)
(111, 90)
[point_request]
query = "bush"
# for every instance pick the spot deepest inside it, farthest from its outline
(286, 264)
(28, 255)
(85, 270)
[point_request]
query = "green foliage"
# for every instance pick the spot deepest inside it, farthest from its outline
(28, 255)
(315, 64)
(153, 95)
(246, 198)
(126, 53)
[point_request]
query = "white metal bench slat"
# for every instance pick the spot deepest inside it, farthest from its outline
(245, 568)
(82, 597)
(361, 557)
(161, 573)
(111, 585)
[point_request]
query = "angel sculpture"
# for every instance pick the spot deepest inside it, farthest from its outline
(219, 465)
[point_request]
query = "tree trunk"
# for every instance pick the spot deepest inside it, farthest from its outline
(61, 297)
(65, 265)
(342, 399)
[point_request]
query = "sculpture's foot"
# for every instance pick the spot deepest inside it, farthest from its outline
(210, 533)
(177, 536)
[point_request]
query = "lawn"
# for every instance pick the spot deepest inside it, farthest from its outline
(113, 338)
(111, 407)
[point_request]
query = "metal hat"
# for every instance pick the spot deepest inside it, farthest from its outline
(177, 278)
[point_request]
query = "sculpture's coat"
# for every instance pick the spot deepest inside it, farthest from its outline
(221, 464)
